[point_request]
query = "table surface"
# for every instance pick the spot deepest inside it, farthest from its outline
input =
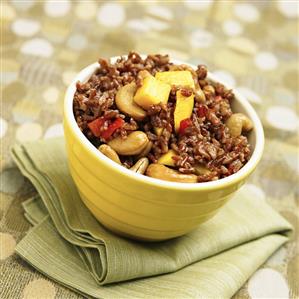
(253, 46)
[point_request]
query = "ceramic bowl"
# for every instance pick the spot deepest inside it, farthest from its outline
(141, 207)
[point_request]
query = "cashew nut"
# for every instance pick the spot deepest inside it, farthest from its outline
(133, 145)
(209, 90)
(109, 152)
(124, 102)
(162, 172)
(140, 166)
(238, 122)
(201, 170)
(182, 67)
(146, 150)
(199, 95)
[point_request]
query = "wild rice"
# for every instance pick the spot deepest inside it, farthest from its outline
(206, 142)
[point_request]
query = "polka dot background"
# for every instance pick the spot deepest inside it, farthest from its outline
(252, 46)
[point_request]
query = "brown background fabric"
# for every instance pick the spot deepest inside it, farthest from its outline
(251, 45)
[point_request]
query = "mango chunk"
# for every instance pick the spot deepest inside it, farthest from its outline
(158, 131)
(201, 170)
(183, 108)
(166, 159)
(178, 78)
(152, 92)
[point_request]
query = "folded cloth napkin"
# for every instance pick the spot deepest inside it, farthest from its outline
(70, 246)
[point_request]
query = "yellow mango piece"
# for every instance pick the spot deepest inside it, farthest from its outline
(152, 92)
(166, 159)
(178, 78)
(158, 131)
(201, 170)
(183, 108)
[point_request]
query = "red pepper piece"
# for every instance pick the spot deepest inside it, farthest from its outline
(112, 127)
(96, 126)
(202, 111)
(184, 124)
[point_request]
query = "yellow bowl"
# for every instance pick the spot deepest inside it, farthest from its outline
(141, 207)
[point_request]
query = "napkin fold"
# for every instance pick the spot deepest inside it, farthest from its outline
(69, 245)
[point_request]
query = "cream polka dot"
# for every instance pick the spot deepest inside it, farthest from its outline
(286, 94)
(201, 38)
(3, 127)
(86, 10)
(289, 9)
(57, 9)
(155, 24)
(160, 11)
(22, 5)
(232, 28)
(8, 13)
(277, 258)
(25, 27)
(246, 12)
(138, 25)
(68, 77)
(77, 42)
(198, 5)
(249, 94)
(254, 191)
(26, 110)
(29, 132)
(242, 45)
(111, 15)
(51, 95)
(266, 61)
(282, 117)
(38, 47)
(268, 283)
(39, 288)
(8, 77)
(54, 131)
(226, 77)
(7, 245)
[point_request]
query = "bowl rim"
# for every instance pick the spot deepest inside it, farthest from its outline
(237, 177)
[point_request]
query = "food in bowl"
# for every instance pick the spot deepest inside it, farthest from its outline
(139, 206)
(164, 120)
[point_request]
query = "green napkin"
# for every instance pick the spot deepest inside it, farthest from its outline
(70, 246)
